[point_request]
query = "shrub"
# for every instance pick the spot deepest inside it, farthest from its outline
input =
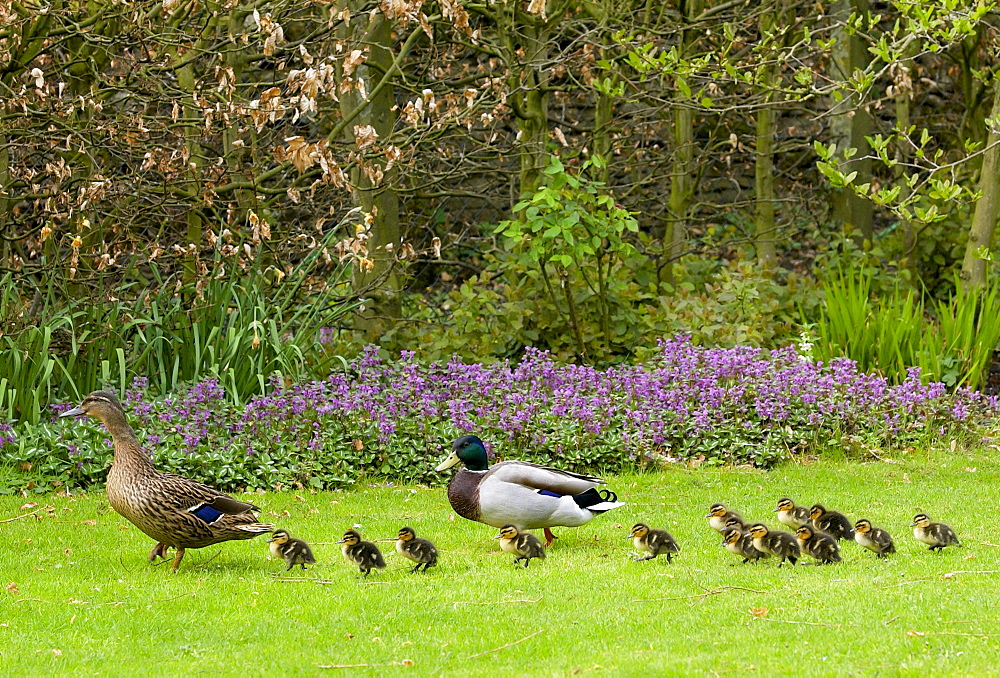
(385, 420)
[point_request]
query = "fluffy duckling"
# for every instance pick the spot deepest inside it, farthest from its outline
(364, 554)
(937, 535)
(718, 514)
(420, 551)
(873, 538)
(292, 551)
(779, 544)
(653, 542)
(740, 543)
(834, 524)
(817, 544)
(791, 515)
(523, 545)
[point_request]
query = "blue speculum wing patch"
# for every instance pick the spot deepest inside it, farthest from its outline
(549, 493)
(206, 513)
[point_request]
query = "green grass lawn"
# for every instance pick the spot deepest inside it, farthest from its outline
(82, 599)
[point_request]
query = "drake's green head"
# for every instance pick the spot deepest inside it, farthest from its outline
(468, 450)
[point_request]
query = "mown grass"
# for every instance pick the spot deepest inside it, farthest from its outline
(86, 601)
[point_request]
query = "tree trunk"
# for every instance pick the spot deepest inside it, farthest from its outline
(682, 177)
(903, 95)
(984, 218)
(533, 116)
(764, 240)
(377, 198)
(851, 123)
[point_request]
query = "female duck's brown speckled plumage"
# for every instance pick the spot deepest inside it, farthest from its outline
(173, 510)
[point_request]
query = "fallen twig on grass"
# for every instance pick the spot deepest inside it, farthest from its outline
(711, 592)
(219, 553)
(495, 602)
(25, 515)
(949, 575)
(790, 621)
(503, 647)
(343, 666)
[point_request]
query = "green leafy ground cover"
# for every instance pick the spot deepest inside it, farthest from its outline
(81, 599)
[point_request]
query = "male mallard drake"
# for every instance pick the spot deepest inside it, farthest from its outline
(523, 494)
(420, 551)
(741, 543)
(791, 515)
(292, 551)
(819, 545)
(653, 542)
(523, 545)
(834, 524)
(173, 510)
(873, 538)
(779, 544)
(718, 515)
(937, 535)
(364, 554)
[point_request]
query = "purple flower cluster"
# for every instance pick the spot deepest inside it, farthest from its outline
(663, 408)
(6, 434)
(394, 419)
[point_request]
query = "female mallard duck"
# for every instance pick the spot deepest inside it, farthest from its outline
(791, 515)
(364, 554)
(937, 535)
(873, 538)
(174, 511)
(833, 523)
(741, 543)
(523, 545)
(420, 551)
(292, 551)
(718, 515)
(779, 544)
(520, 493)
(819, 545)
(653, 542)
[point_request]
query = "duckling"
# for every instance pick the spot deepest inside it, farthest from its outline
(735, 523)
(718, 514)
(817, 544)
(654, 542)
(523, 545)
(740, 543)
(364, 554)
(938, 535)
(873, 538)
(777, 543)
(292, 551)
(791, 515)
(420, 551)
(834, 524)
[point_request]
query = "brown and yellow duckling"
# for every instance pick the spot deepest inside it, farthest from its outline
(364, 554)
(292, 551)
(741, 543)
(791, 515)
(937, 535)
(873, 538)
(653, 542)
(834, 524)
(718, 514)
(818, 545)
(781, 545)
(523, 545)
(420, 551)
(172, 510)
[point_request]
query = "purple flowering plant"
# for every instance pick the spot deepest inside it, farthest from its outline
(394, 419)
